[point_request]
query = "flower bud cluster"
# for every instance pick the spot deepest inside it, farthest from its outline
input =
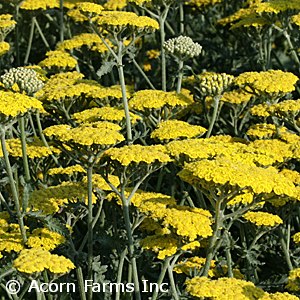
(26, 80)
(183, 47)
(213, 84)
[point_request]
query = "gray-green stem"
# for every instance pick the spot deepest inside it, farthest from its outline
(214, 238)
(13, 187)
(180, 76)
(30, 40)
(214, 116)
(80, 281)
(90, 228)
(24, 152)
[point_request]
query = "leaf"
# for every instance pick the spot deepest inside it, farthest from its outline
(106, 68)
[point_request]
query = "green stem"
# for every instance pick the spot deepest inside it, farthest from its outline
(180, 76)
(181, 18)
(61, 21)
(120, 271)
(214, 116)
(172, 281)
(17, 37)
(161, 276)
(126, 214)
(162, 20)
(24, 152)
(41, 33)
(13, 187)
(143, 74)
(124, 97)
(80, 283)
(29, 45)
(286, 252)
(228, 255)
(214, 238)
(40, 129)
(90, 228)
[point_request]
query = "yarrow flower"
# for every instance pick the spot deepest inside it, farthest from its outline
(135, 154)
(25, 79)
(4, 48)
(175, 129)
(15, 104)
(183, 47)
(273, 83)
(36, 260)
(6, 25)
(293, 284)
(222, 288)
(260, 218)
(58, 60)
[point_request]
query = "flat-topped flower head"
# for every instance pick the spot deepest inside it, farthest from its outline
(57, 60)
(293, 280)
(264, 131)
(272, 83)
(45, 239)
(279, 296)
(202, 3)
(106, 113)
(222, 288)
(35, 148)
(91, 40)
(236, 97)
(153, 99)
(4, 48)
(214, 84)
(24, 79)
(175, 129)
(6, 25)
(260, 218)
(117, 20)
(224, 171)
(16, 104)
(115, 4)
(183, 47)
(36, 260)
(136, 154)
(94, 134)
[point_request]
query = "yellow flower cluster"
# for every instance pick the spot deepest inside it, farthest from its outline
(90, 40)
(70, 85)
(34, 148)
(10, 236)
(36, 260)
(193, 264)
(6, 25)
(242, 199)
(236, 97)
(153, 54)
(294, 280)
(163, 245)
(44, 5)
(260, 218)
(222, 289)
(135, 154)
(99, 133)
(263, 131)
(58, 60)
(154, 99)
(67, 170)
(292, 175)
(121, 19)
(45, 239)
(4, 48)
(202, 3)
(296, 238)
(14, 104)
(115, 4)
(278, 296)
(52, 198)
(106, 113)
(175, 129)
(214, 84)
(273, 83)
(223, 171)
(296, 19)
(287, 107)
